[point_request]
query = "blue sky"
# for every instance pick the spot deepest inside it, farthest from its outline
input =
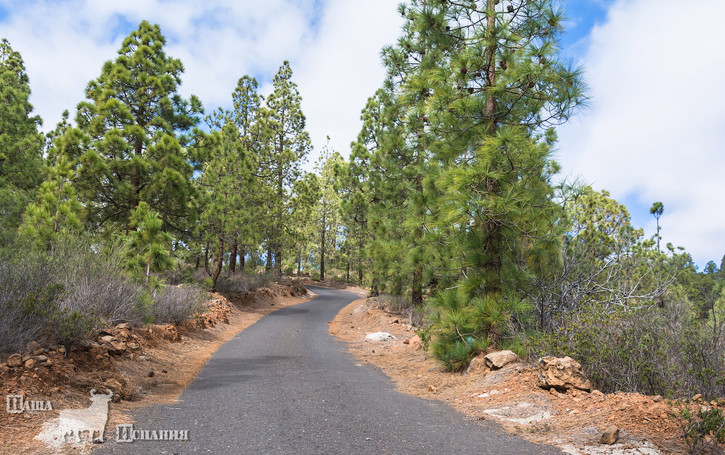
(653, 130)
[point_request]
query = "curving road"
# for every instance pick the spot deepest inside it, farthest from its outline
(285, 386)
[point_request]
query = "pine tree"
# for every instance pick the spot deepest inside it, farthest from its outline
(56, 210)
(328, 206)
(21, 144)
(248, 116)
(472, 91)
(149, 245)
(221, 185)
(303, 228)
(288, 145)
(132, 116)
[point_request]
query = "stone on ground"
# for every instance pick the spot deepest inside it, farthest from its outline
(497, 360)
(378, 336)
(561, 373)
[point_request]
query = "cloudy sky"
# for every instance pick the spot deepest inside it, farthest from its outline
(654, 130)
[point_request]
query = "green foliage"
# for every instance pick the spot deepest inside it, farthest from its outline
(57, 210)
(700, 427)
(21, 144)
(148, 245)
(289, 143)
(131, 119)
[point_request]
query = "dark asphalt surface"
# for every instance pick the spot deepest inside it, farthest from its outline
(285, 386)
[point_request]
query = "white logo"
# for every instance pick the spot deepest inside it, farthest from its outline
(127, 433)
(73, 422)
(16, 404)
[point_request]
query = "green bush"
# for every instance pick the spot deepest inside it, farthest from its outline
(700, 427)
(460, 328)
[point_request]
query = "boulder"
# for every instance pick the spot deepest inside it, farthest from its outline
(379, 336)
(121, 389)
(29, 364)
(113, 345)
(34, 348)
(561, 373)
(124, 326)
(497, 360)
(15, 360)
(415, 343)
(610, 436)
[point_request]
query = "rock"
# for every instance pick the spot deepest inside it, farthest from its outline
(121, 389)
(133, 346)
(477, 366)
(49, 363)
(497, 360)
(29, 364)
(15, 360)
(41, 358)
(561, 373)
(610, 436)
(61, 350)
(697, 397)
(113, 345)
(433, 389)
(657, 398)
(124, 326)
(415, 343)
(379, 336)
(165, 331)
(108, 338)
(33, 347)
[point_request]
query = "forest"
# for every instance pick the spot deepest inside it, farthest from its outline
(448, 205)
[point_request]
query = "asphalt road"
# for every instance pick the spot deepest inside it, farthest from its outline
(285, 386)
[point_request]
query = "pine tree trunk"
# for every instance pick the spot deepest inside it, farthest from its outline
(416, 294)
(299, 262)
(242, 259)
(278, 261)
(219, 264)
(322, 245)
(233, 256)
(492, 234)
(268, 265)
(206, 259)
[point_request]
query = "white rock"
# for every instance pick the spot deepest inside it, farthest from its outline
(379, 336)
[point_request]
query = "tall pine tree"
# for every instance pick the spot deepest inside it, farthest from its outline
(289, 143)
(21, 144)
(133, 116)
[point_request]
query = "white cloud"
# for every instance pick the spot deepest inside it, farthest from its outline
(655, 130)
(336, 61)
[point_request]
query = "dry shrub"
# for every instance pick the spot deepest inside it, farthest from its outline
(240, 282)
(175, 304)
(655, 351)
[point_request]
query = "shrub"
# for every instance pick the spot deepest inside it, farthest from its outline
(175, 304)
(240, 282)
(700, 427)
(651, 350)
(460, 328)
(64, 293)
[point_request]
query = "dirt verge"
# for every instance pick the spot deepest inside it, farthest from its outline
(572, 421)
(155, 366)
